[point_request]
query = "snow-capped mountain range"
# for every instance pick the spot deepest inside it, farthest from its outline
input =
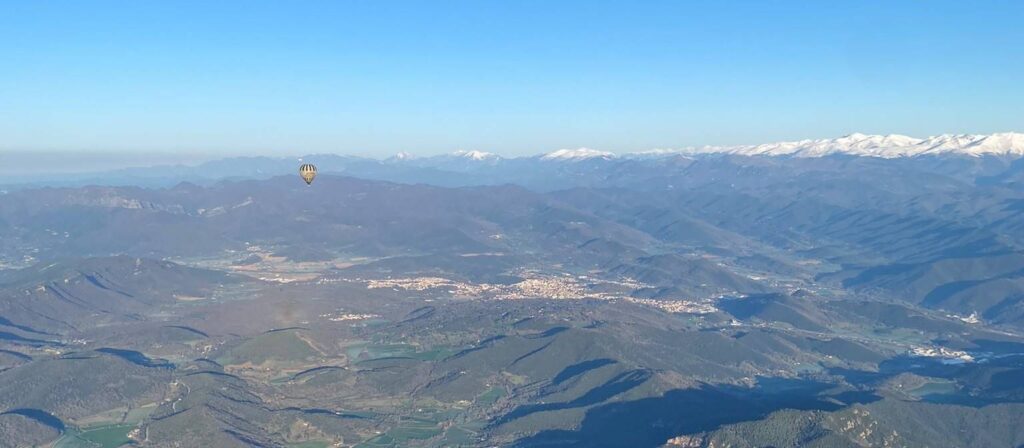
(546, 170)
(577, 154)
(882, 146)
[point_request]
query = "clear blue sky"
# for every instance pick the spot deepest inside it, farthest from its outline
(515, 77)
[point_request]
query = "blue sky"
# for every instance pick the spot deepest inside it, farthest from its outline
(514, 77)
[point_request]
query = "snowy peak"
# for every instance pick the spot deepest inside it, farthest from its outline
(854, 144)
(402, 156)
(883, 146)
(475, 155)
(1004, 143)
(577, 154)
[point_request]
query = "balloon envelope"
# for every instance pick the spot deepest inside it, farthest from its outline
(308, 172)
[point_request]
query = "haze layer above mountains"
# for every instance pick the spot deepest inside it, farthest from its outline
(73, 168)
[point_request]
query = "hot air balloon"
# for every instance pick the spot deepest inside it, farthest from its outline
(308, 172)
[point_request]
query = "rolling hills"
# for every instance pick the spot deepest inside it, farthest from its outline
(579, 299)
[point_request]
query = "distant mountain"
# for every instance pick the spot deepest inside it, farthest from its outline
(577, 154)
(987, 155)
(458, 161)
(476, 155)
(884, 146)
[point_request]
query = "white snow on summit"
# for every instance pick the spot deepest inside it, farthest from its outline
(475, 155)
(577, 154)
(884, 146)
(1003, 143)
(402, 156)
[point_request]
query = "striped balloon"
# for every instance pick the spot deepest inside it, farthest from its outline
(308, 172)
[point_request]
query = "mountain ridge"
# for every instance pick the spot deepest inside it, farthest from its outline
(557, 169)
(882, 146)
